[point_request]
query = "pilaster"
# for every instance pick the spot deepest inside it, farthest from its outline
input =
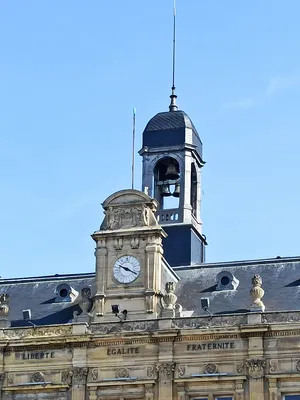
(79, 375)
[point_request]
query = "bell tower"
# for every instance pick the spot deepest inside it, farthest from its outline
(172, 163)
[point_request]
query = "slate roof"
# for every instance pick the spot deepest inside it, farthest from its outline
(280, 276)
(281, 281)
(169, 129)
(170, 120)
(38, 295)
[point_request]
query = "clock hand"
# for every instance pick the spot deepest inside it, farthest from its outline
(128, 270)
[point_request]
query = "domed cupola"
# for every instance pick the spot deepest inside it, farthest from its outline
(172, 162)
(171, 128)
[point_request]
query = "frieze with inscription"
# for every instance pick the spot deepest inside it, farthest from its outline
(37, 355)
(114, 351)
(211, 346)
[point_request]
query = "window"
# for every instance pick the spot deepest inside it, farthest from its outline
(291, 397)
(228, 398)
(224, 398)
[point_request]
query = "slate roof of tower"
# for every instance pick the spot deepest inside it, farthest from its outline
(170, 120)
(169, 128)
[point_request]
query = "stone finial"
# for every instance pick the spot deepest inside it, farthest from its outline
(257, 293)
(4, 308)
(168, 302)
(85, 303)
(169, 299)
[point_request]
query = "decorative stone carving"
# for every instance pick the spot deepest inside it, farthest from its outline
(129, 209)
(297, 365)
(151, 372)
(38, 332)
(273, 365)
(210, 368)
(168, 301)
(85, 303)
(118, 244)
(170, 297)
(181, 370)
(4, 308)
(126, 326)
(79, 376)
(240, 367)
(122, 373)
(10, 379)
(125, 217)
(149, 393)
(135, 243)
(66, 377)
(37, 377)
(256, 367)
(257, 293)
(94, 374)
(165, 370)
(205, 321)
(279, 316)
(1, 377)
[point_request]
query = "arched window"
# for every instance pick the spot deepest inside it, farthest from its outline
(166, 183)
(194, 194)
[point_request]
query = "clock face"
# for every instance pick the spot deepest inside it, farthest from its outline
(126, 269)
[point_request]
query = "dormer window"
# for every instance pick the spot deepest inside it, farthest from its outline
(65, 293)
(226, 281)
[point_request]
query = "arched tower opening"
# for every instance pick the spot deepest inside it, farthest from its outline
(167, 183)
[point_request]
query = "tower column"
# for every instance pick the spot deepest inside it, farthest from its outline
(186, 198)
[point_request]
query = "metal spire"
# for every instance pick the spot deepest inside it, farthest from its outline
(173, 106)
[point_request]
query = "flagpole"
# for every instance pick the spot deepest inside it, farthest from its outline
(133, 147)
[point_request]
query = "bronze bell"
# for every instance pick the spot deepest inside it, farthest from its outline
(165, 190)
(172, 173)
(176, 192)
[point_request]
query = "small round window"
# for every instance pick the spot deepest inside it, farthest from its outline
(63, 292)
(225, 280)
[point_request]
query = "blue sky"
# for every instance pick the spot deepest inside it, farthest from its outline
(71, 72)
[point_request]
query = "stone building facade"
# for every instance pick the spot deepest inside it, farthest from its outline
(100, 338)
(155, 321)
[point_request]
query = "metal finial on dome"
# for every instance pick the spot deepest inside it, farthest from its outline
(173, 106)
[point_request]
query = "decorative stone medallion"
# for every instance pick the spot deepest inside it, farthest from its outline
(37, 377)
(122, 373)
(210, 368)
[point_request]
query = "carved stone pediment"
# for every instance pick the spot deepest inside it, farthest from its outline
(129, 209)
